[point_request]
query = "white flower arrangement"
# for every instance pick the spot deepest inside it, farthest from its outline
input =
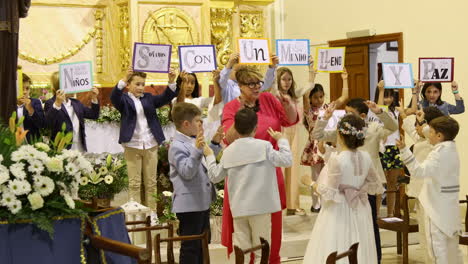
(167, 193)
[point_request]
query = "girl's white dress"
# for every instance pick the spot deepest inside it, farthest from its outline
(345, 217)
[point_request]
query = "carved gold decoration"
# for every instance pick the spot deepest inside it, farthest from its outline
(251, 24)
(170, 26)
(124, 37)
(95, 32)
(221, 32)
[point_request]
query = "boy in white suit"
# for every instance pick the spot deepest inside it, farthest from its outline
(439, 194)
(251, 165)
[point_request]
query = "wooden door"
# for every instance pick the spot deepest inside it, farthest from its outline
(357, 65)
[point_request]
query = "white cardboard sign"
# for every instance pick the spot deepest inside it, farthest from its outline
(330, 59)
(151, 57)
(333, 121)
(197, 58)
(293, 51)
(436, 69)
(397, 75)
(254, 51)
(76, 77)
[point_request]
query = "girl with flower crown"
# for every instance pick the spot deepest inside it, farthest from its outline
(343, 185)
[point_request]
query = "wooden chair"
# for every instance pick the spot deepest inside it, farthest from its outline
(170, 252)
(351, 254)
(147, 229)
(264, 246)
(464, 240)
(402, 228)
(142, 255)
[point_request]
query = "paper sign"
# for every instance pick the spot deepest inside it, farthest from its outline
(397, 75)
(392, 219)
(151, 57)
(436, 69)
(330, 59)
(76, 77)
(19, 83)
(334, 119)
(293, 51)
(197, 58)
(254, 51)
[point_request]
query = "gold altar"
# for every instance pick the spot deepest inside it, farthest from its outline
(103, 31)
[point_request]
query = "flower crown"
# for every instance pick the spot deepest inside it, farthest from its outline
(347, 129)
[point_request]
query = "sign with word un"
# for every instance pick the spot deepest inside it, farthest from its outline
(76, 77)
(254, 51)
(330, 59)
(436, 69)
(197, 58)
(293, 51)
(151, 57)
(397, 75)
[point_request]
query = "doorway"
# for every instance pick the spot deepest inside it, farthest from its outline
(362, 59)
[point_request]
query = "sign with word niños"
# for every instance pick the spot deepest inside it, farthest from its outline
(254, 51)
(76, 77)
(398, 75)
(19, 83)
(151, 57)
(330, 59)
(293, 51)
(334, 119)
(197, 58)
(436, 69)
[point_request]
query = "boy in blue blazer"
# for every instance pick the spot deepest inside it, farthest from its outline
(31, 109)
(141, 132)
(193, 191)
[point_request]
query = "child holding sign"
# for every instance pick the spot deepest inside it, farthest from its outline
(313, 102)
(229, 86)
(431, 96)
(31, 109)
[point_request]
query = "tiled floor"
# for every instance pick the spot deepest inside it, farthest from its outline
(416, 256)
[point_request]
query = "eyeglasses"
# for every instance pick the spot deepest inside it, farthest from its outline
(253, 85)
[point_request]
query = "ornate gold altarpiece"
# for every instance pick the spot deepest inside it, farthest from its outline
(103, 31)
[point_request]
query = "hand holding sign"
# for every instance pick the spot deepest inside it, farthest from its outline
(274, 61)
(330, 59)
(172, 75)
(94, 94)
(397, 75)
(59, 98)
(436, 69)
(254, 51)
(454, 86)
(233, 60)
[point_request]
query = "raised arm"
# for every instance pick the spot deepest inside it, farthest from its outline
(270, 73)
(319, 132)
(283, 156)
(218, 98)
(380, 86)
(460, 105)
(171, 91)
(310, 86)
(345, 90)
(181, 95)
(93, 111)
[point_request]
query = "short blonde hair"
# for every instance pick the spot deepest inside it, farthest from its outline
(55, 82)
(246, 74)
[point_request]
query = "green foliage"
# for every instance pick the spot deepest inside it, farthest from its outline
(165, 198)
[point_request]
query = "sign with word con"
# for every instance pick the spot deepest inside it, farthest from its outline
(19, 83)
(330, 59)
(151, 57)
(334, 119)
(436, 69)
(254, 51)
(197, 58)
(293, 51)
(76, 77)
(398, 75)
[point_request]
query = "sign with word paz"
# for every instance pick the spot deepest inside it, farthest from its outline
(293, 51)
(330, 59)
(197, 58)
(254, 51)
(334, 119)
(398, 75)
(436, 69)
(76, 77)
(151, 57)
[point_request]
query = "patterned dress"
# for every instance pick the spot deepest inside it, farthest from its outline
(310, 156)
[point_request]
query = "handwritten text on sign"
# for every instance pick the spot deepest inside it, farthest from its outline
(398, 75)
(436, 69)
(254, 51)
(151, 57)
(330, 59)
(197, 58)
(293, 51)
(76, 77)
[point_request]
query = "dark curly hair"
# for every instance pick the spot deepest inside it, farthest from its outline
(351, 123)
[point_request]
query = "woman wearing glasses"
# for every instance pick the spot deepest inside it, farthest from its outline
(273, 113)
